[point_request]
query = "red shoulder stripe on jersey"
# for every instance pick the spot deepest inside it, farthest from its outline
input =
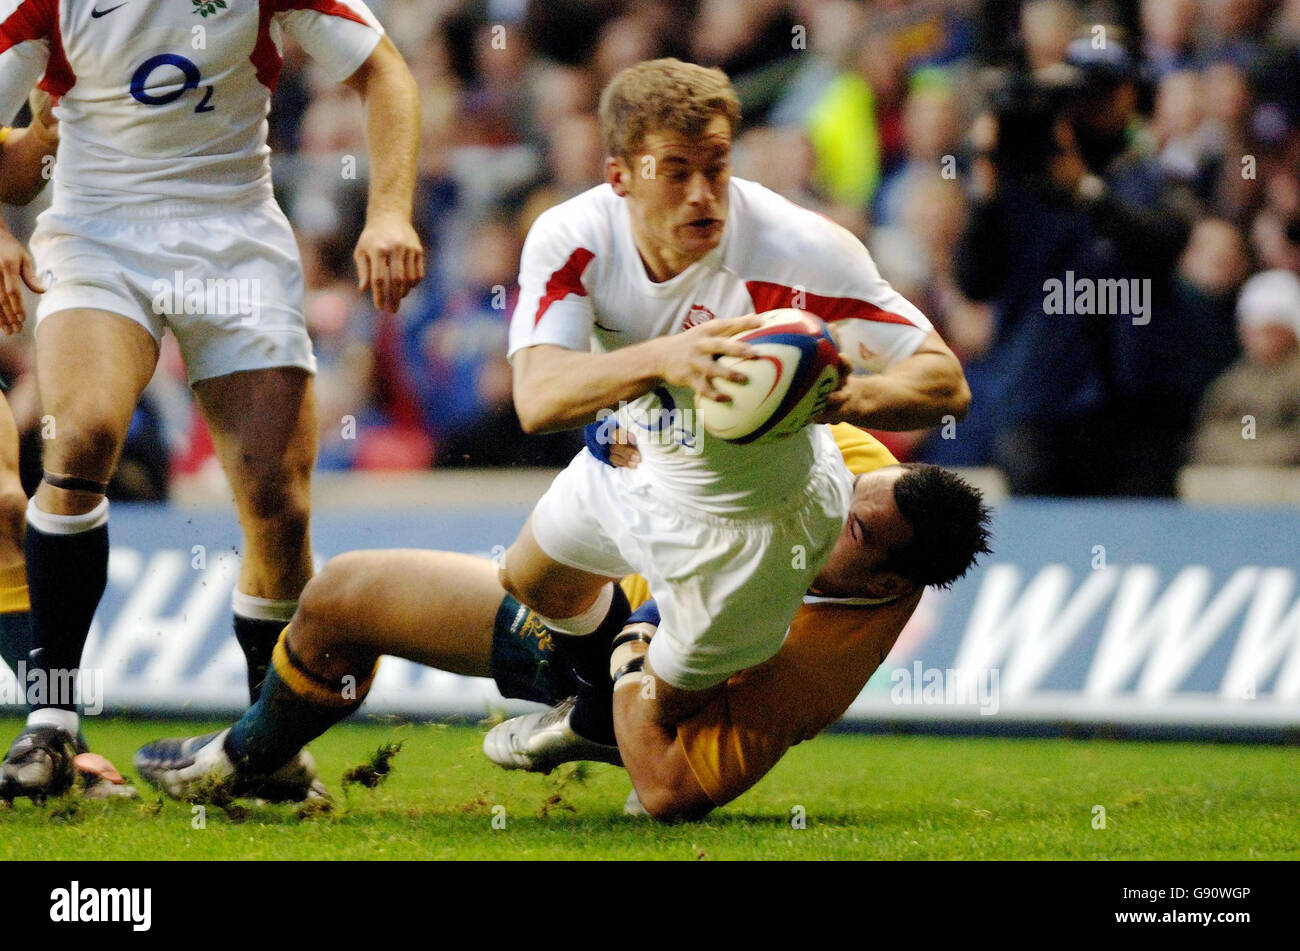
(768, 296)
(39, 20)
(31, 20)
(59, 77)
(266, 57)
(565, 281)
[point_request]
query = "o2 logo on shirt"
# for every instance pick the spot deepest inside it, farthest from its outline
(188, 69)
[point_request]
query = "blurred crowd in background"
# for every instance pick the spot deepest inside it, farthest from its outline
(978, 148)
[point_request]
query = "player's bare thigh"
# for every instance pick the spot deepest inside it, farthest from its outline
(263, 425)
(262, 418)
(91, 367)
(436, 608)
(539, 581)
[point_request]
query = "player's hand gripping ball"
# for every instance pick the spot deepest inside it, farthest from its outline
(796, 368)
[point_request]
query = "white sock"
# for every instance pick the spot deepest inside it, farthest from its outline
(262, 609)
(52, 524)
(589, 620)
(65, 720)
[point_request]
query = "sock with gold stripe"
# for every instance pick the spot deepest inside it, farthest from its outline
(295, 706)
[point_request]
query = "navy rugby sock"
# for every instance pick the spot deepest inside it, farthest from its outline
(295, 706)
(258, 623)
(67, 571)
(593, 714)
(588, 654)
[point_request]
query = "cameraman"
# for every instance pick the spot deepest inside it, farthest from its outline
(1082, 404)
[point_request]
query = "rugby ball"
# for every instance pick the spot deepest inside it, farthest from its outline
(796, 368)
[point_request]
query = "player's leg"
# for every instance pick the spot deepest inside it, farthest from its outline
(538, 742)
(91, 368)
(584, 610)
(552, 589)
(435, 608)
(267, 456)
(15, 606)
(250, 365)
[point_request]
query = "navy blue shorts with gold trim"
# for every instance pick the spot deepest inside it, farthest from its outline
(522, 661)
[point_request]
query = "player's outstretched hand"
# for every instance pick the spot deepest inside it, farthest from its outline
(390, 260)
(690, 358)
(16, 269)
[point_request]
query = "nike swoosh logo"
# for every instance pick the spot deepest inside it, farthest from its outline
(96, 14)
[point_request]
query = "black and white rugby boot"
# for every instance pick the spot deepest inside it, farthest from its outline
(39, 764)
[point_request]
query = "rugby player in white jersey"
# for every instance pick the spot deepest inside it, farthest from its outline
(627, 294)
(26, 160)
(162, 216)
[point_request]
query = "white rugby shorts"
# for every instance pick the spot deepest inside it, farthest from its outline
(229, 285)
(728, 587)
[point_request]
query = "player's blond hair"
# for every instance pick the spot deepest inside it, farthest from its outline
(663, 95)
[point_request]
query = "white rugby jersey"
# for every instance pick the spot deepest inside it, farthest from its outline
(164, 101)
(583, 287)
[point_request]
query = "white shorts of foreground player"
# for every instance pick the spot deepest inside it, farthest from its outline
(727, 585)
(229, 285)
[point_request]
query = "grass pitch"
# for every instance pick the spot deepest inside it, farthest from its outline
(837, 797)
